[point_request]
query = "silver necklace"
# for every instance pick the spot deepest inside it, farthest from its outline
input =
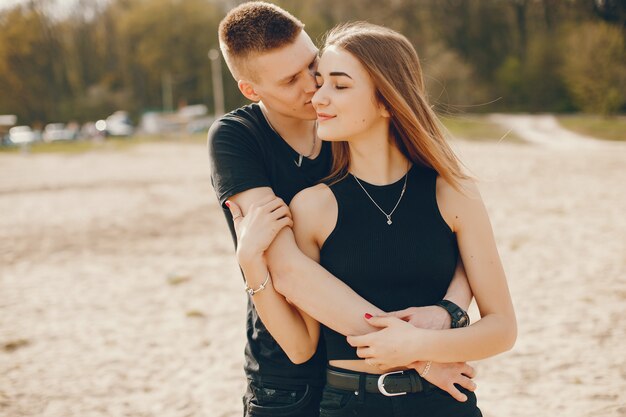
(388, 216)
(300, 156)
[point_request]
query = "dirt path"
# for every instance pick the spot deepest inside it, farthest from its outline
(119, 294)
(545, 130)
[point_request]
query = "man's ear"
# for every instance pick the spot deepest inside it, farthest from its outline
(247, 89)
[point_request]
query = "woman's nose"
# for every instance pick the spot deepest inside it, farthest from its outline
(319, 98)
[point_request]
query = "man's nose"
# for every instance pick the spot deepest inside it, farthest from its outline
(311, 84)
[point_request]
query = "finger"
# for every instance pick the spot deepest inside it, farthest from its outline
(261, 202)
(382, 322)
(467, 383)
(399, 314)
(235, 211)
(469, 371)
(284, 222)
(364, 352)
(358, 341)
(274, 204)
(281, 212)
(455, 393)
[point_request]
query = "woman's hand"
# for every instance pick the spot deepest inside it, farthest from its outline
(257, 230)
(391, 347)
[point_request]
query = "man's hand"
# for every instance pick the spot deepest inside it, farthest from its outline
(430, 317)
(391, 347)
(445, 375)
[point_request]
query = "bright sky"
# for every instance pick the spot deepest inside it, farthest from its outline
(57, 6)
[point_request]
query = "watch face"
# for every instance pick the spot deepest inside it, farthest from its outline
(463, 321)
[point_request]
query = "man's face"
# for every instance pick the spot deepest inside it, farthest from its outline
(285, 78)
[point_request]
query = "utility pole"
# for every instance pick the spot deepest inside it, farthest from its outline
(218, 87)
(167, 91)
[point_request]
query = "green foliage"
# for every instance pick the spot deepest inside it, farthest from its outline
(595, 67)
(609, 128)
(126, 54)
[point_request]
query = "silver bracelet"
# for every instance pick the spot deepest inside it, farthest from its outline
(426, 369)
(252, 291)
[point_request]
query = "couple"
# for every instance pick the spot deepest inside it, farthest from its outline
(380, 217)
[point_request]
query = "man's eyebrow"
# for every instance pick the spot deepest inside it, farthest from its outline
(289, 77)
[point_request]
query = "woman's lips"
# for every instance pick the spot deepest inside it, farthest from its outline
(322, 117)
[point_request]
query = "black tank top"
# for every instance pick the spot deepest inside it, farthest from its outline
(408, 263)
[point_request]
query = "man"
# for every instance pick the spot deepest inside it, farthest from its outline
(267, 150)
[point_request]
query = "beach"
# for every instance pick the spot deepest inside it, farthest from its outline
(120, 294)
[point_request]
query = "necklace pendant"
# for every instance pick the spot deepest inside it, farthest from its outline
(299, 161)
(389, 221)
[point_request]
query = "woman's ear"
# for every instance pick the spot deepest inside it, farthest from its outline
(384, 112)
(247, 89)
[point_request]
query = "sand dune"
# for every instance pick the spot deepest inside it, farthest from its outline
(120, 296)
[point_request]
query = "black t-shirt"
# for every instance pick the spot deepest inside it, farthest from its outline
(246, 153)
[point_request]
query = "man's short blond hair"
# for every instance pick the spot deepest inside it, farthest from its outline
(253, 28)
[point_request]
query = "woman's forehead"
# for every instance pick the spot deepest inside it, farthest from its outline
(336, 59)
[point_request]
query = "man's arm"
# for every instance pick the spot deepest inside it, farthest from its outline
(295, 331)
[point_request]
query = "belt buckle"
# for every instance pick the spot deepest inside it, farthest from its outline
(381, 385)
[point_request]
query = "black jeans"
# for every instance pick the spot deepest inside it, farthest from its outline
(281, 400)
(432, 402)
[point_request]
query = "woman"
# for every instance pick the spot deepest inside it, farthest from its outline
(396, 205)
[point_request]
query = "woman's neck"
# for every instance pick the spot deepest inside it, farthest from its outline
(375, 158)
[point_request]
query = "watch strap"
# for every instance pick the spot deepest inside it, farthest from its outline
(458, 316)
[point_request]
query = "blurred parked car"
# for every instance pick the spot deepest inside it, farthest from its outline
(200, 125)
(119, 124)
(21, 135)
(58, 131)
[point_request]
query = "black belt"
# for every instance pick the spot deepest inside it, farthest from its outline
(389, 384)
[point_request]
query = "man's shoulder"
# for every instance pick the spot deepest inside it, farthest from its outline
(242, 125)
(243, 119)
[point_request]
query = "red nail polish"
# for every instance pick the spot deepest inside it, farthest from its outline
(227, 204)
(368, 316)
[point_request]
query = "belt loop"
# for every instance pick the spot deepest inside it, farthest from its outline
(362, 388)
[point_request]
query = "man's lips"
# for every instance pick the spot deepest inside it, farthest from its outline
(322, 117)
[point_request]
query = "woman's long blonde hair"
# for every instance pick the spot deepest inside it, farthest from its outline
(394, 67)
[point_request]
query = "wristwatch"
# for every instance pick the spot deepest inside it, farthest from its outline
(457, 314)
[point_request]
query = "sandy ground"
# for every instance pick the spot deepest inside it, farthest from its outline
(120, 296)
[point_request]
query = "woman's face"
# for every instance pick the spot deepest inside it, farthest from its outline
(345, 102)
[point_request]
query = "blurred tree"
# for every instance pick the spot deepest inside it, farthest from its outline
(150, 54)
(595, 73)
(31, 76)
(613, 11)
(164, 45)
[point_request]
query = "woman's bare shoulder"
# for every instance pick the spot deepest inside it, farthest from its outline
(457, 201)
(465, 188)
(312, 200)
(314, 211)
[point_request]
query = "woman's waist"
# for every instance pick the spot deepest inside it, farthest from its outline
(360, 365)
